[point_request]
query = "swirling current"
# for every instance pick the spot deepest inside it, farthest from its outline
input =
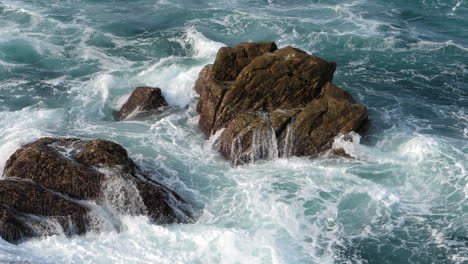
(65, 66)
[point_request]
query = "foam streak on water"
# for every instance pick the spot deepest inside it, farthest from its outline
(65, 66)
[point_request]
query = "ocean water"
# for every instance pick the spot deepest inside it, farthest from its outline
(66, 65)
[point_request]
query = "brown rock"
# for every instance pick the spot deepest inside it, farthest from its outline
(290, 89)
(51, 174)
(238, 141)
(331, 90)
(19, 199)
(285, 79)
(230, 61)
(141, 102)
(46, 161)
(280, 119)
(100, 152)
(163, 205)
(211, 93)
(341, 152)
(322, 120)
(13, 229)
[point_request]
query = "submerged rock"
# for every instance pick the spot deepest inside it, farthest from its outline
(143, 101)
(58, 180)
(274, 103)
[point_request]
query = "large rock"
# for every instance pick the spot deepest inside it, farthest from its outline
(27, 209)
(143, 101)
(272, 102)
(55, 179)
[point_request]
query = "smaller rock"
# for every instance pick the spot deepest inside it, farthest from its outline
(141, 102)
(343, 145)
(341, 152)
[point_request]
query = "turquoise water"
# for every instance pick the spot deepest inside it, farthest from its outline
(66, 65)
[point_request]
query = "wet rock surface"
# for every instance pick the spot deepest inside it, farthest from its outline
(142, 102)
(27, 209)
(52, 185)
(273, 102)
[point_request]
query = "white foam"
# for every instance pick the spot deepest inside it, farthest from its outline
(141, 242)
(419, 148)
(264, 145)
(289, 141)
(174, 75)
(23, 126)
(101, 84)
(120, 193)
(121, 101)
(175, 80)
(213, 141)
(280, 211)
(455, 7)
(424, 45)
(202, 46)
(350, 143)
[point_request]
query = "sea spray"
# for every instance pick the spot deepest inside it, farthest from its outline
(120, 193)
(289, 141)
(349, 143)
(264, 145)
(401, 201)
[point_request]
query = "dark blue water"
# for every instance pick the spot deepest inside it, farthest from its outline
(66, 65)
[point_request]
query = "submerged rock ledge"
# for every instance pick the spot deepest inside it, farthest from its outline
(71, 186)
(264, 102)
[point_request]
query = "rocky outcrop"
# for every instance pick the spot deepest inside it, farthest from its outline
(271, 102)
(142, 102)
(54, 183)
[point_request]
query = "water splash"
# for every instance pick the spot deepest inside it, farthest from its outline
(120, 193)
(264, 145)
(289, 140)
(349, 143)
(403, 200)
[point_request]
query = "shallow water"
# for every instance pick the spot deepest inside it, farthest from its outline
(66, 65)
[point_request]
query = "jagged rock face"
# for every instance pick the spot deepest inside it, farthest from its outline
(143, 101)
(285, 96)
(55, 180)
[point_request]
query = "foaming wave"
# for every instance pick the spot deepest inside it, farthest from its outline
(101, 84)
(419, 148)
(202, 46)
(176, 75)
(141, 242)
(433, 46)
(23, 126)
(350, 143)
